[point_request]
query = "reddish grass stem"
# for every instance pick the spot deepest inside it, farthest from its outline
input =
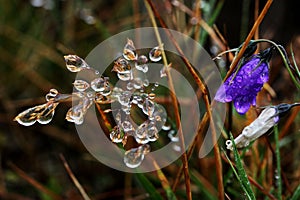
(249, 37)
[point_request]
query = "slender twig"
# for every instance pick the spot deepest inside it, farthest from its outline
(175, 105)
(35, 183)
(205, 97)
(74, 179)
(249, 37)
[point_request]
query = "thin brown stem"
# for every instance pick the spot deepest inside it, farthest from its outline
(204, 91)
(175, 105)
(34, 183)
(74, 179)
(249, 37)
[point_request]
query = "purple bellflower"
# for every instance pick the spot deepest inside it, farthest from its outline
(242, 86)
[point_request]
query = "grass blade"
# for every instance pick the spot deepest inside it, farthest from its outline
(241, 172)
(278, 167)
(296, 194)
(148, 186)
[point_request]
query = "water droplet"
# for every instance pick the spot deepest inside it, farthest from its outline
(121, 65)
(129, 51)
(148, 107)
(98, 84)
(166, 127)
(172, 136)
(51, 95)
(124, 98)
(142, 67)
(163, 72)
(116, 135)
(107, 90)
(127, 126)
(151, 96)
(155, 54)
(75, 64)
(47, 114)
(142, 59)
(81, 85)
(141, 133)
(146, 83)
(152, 133)
(129, 86)
(156, 84)
(126, 109)
(76, 113)
(134, 157)
(176, 147)
(28, 117)
(138, 83)
(125, 76)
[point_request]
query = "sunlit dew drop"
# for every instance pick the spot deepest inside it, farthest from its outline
(151, 96)
(129, 86)
(155, 54)
(127, 126)
(47, 114)
(81, 85)
(28, 117)
(148, 107)
(141, 131)
(75, 64)
(121, 65)
(129, 51)
(138, 83)
(134, 157)
(51, 95)
(116, 135)
(124, 98)
(107, 90)
(152, 132)
(98, 84)
(126, 109)
(142, 67)
(166, 127)
(172, 136)
(75, 114)
(146, 83)
(163, 72)
(125, 75)
(176, 147)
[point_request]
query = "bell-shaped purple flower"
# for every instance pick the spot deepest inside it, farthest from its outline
(242, 86)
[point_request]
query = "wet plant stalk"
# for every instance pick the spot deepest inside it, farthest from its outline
(206, 100)
(176, 109)
(249, 37)
(278, 180)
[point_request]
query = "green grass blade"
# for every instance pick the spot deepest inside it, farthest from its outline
(148, 186)
(278, 167)
(241, 172)
(206, 194)
(296, 194)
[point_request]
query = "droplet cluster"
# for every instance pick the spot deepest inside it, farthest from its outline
(135, 92)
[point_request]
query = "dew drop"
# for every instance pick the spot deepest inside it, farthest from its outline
(127, 126)
(81, 85)
(116, 135)
(129, 51)
(134, 157)
(138, 83)
(125, 75)
(142, 67)
(172, 136)
(166, 127)
(28, 117)
(146, 83)
(121, 65)
(152, 132)
(148, 107)
(98, 84)
(155, 54)
(75, 64)
(129, 86)
(51, 95)
(47, 114)
(151, 96)
(176, 147)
